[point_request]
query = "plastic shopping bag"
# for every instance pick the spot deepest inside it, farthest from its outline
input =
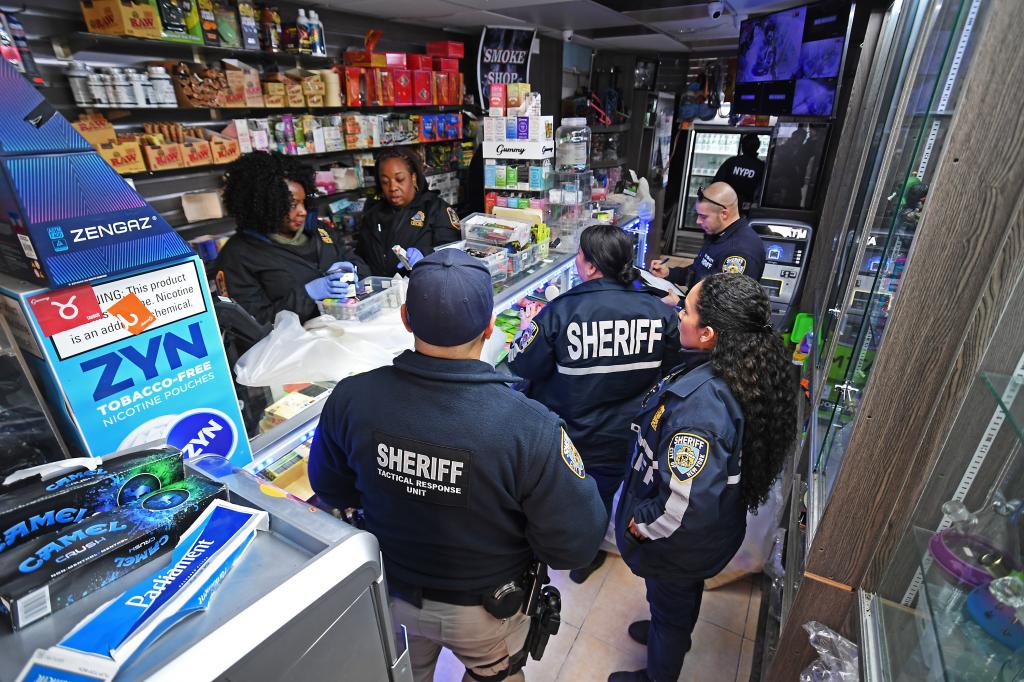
(757, 542)
(322, 351)
(837, 656)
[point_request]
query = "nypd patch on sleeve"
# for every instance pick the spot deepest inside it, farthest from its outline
(687, 455)
(571, 456)
(523, 341)
(735, 264)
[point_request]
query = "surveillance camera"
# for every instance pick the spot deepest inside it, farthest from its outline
(715, 10)
(567, 36)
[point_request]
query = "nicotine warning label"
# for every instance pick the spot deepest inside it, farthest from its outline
(169, 294)
(434, 473)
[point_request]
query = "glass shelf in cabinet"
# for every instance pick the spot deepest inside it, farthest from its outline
(1005, 389)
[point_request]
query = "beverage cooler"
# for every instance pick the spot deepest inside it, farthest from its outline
(707, 149)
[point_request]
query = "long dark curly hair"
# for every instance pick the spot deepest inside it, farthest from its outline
(256, 192)
(750, 357)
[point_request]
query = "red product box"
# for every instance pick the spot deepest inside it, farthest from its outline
(384, 94)
(455, 88)
(423, 88)
(447, 48)
(419, 61)
(401, 79)
(355, 86)
(496, 95)
(441, 79)
(445, 64)
(395, 58)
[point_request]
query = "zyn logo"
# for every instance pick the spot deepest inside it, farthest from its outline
(203, 432)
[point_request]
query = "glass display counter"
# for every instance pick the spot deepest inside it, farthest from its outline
(932, 43)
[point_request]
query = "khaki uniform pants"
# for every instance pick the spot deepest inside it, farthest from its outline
(480, 641)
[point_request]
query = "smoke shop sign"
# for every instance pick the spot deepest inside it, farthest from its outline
(504, 57)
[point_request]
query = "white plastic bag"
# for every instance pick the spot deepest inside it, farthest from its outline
(291, 354)
(757, 542)
(838, 657)
(644, 200)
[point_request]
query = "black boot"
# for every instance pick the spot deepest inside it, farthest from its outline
(579, 575)
(638, 631)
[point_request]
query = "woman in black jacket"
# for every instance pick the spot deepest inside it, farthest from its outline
(408, 215)
(281, 257)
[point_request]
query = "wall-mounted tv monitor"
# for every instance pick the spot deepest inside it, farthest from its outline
(790, 61)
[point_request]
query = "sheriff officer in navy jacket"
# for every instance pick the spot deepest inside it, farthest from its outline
(730, 244)
(710, 440)
(592, 353)
(462, 479)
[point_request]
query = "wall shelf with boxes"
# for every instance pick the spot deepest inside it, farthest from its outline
(518, 149)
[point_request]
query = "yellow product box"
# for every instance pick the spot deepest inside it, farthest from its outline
(161, 157)
(224, 149)
(315, 101)
(96, 129)
(121, 18)
(294, 96)
(196, 152)
(124, 157)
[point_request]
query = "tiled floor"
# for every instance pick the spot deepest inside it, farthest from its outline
(592, 642)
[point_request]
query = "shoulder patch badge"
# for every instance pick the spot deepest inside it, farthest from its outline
(418, 218)
(522, 342)
(325, 236)
(687, 455)
(657, 417)
(571, 456)
(735, 264)
(453, 218)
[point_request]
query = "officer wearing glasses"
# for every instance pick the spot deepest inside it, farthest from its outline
(730, 244)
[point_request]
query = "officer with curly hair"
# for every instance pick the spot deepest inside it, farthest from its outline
(711, 438)
(280, 257)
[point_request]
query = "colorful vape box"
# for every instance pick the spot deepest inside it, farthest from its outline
(536, 177)
(491, 129)
(500, 173)
(453, 126)
(511, 128)
(189, 30)
(395, 59)
(60, 568)
(88, 223)
(248, 25)
(417, 62)
(121, 17)
(541, 128)
(496, 95)
(447, 48)
(490, 173)
(423, 88)
(35, 506)
(523, 127)
(401, 79)
(441, 89)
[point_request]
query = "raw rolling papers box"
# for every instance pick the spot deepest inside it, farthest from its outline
(35, 507)
(55, 570)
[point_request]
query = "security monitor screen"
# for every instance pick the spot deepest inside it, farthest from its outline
(790, 61)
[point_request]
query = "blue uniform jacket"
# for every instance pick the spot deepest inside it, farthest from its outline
(737, 248)
(462, 479)
(683, 487)
(590, 355)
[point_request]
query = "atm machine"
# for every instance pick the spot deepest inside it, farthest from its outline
(787, 246)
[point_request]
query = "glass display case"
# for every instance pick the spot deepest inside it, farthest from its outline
(932, 44)
(950, 602)
(709, 147)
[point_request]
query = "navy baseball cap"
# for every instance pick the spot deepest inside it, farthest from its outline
(450, 301)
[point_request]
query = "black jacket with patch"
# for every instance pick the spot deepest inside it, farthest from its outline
(683, 489)
(462, 479)
(744, 174)
(427, 221)
(265, 277)
(737, 248)
(590, 355)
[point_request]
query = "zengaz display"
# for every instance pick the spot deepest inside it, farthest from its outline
(789, 61)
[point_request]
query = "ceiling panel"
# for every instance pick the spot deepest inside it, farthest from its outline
(398, 9)
(474, 19)
(578, 15)
(655, 43)
(706, 28)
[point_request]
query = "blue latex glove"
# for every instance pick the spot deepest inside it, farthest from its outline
(413, 255)
(331, 284)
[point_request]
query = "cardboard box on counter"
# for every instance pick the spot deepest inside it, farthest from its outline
(122, 18)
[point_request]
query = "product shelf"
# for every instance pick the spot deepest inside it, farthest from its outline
(411, 109)
(83, 41)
